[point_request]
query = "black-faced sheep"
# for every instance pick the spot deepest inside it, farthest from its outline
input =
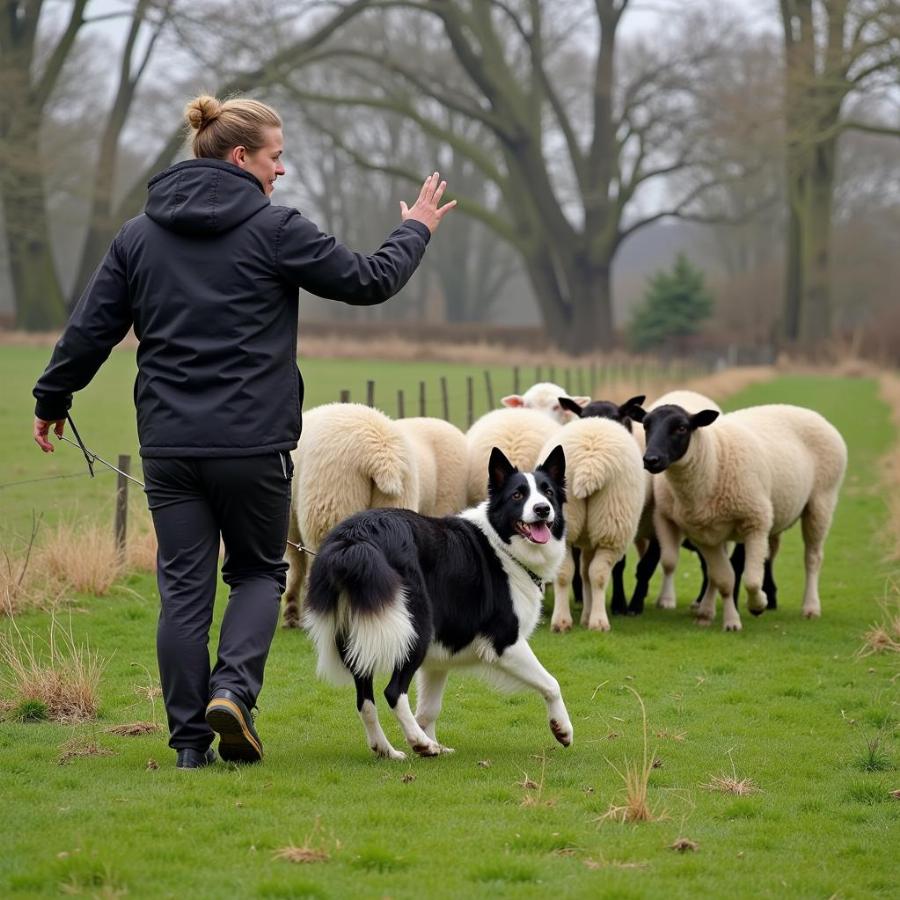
(746, 478)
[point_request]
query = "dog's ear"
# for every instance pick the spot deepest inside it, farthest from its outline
(555, 465)
(499, 470)
(570, 405)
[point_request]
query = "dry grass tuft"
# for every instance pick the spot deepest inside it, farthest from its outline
(895, 795)
(62, 676)
(683, 844)
(81, 746)
(731, 784)
(312, 850)
(140, 547)
(884, 636)
(134, 729)
(890, 465)
(80, 558)
(636, 780)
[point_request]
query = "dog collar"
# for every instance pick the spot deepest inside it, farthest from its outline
(538, 581)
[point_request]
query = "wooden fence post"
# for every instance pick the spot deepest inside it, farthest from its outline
(515, 379)
(445, 398)
(122, 505)
(490, 389)
(345, 396)
(401, 411)
(422, 411)
(470, 401)
(370, 393)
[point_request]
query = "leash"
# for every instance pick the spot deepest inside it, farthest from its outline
(91, 458)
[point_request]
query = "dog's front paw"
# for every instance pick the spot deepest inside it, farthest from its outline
(562, 731)
(428, 748)
(388, 752)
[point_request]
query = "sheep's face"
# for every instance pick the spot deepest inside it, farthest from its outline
(544, 397)
(606, 409)
(669, 430)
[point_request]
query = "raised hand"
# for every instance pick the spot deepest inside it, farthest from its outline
(426, 209)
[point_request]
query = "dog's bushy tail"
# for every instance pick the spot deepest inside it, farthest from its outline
(356, 611)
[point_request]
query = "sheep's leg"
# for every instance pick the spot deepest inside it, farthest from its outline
(598, 575)
(588, 601)
(619, 605)
(815, 522)
(738, 560)
(643, 573)
(430, 684)
(296, 576)
(561, 620)
(756, 548)
(518, 660)
(721, 577)
(704, 583)
(769, 585)
(669, 536)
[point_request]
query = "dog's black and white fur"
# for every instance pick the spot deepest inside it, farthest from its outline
(394, 591)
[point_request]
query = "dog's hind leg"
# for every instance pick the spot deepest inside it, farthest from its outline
(368, 712)
(430, 686)
(397, 696)
(519, 661)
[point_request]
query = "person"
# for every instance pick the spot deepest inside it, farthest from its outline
(208, 277)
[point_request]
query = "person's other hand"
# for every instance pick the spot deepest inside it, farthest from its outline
(426, 209)
(42, 430)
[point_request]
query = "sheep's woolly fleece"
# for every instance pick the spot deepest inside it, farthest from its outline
(519, 433)
(441, 460)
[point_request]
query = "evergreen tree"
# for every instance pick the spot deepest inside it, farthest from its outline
(675, 305)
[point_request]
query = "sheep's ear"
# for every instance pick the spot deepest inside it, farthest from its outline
(632, 408)
(571, 405)
(513, 400)
(499, 469)
(703, 418)
(555, 465)
(582, 401)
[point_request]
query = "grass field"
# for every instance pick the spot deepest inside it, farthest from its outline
(786, 707)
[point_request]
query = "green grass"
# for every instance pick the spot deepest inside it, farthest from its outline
(786, 702)
(104, 415)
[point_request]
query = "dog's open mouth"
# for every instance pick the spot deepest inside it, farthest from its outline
(536, 532)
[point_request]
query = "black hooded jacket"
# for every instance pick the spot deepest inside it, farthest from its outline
(208, 276)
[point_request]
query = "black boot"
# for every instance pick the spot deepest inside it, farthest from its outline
(189, 758)
(228, 715)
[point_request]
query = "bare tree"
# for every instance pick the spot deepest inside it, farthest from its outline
(834, 51)
(568, 153)
(38, 47)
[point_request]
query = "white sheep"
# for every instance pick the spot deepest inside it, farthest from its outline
(441, 455)
(544, 396)
(519, 433)
(747, 477)
(605, 496)
(349, 458)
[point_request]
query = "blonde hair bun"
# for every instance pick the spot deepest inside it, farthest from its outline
(201, 111)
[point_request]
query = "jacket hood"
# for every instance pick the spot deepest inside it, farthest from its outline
(203, 197)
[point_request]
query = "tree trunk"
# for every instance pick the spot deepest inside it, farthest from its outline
(40, 305)
(816, 313)
(591, 300)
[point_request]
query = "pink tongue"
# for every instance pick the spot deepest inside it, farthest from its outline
(540, 533)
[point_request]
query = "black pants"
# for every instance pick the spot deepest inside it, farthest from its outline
(246, 500)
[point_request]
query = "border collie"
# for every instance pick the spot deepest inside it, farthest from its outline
(393, 591)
